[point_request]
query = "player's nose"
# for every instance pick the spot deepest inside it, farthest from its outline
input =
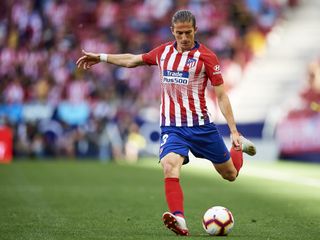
(184, 37)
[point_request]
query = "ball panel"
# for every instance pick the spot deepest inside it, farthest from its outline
(218, 220)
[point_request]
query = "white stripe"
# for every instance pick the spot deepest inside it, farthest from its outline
(189, 112)
(177, 111)
(210, 116)
(166, 108)
(171, 60)
(166, 97)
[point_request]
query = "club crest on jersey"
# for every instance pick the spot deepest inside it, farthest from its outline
(191, 62)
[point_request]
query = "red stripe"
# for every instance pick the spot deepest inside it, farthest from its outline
(201, 93)
(200, 87)
(176, 62)
(163, 117)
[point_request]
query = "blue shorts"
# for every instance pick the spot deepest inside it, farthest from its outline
(203, 141)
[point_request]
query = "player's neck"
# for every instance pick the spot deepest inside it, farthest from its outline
(182, 49)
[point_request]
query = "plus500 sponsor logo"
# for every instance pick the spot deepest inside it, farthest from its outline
(176, 77)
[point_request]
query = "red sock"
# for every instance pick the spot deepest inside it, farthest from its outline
(237, 158)
(174, 196)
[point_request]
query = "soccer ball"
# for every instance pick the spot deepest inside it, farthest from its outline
(218, 221)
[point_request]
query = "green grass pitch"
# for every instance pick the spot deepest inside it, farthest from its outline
(90, 200)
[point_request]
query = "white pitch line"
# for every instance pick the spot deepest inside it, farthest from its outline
(281, 176)
(267, 174)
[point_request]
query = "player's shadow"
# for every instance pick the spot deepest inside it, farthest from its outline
(206, 236)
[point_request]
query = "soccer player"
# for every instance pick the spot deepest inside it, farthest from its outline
(186, 66)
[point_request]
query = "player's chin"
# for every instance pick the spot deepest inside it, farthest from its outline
(185, 44)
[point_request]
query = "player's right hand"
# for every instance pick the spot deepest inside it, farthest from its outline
(87, 60)
(235, 140)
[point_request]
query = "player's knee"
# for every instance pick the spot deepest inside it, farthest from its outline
(230, 175)
(171, 167)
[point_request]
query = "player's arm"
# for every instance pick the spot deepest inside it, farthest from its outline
(226, 109)
(89, 59)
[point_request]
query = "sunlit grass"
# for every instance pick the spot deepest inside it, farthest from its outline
(91, 200)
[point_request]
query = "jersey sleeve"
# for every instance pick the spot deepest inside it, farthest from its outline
(150, 58)
(213, 69)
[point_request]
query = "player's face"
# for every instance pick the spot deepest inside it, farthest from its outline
(184, 34)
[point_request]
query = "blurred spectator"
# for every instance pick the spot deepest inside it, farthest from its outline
(135, 144)
(312, 94)
(255, 40)
(308, 101)
(13, 93)
(297, 133)
(110, 142)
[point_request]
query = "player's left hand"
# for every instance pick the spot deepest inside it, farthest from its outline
(88, 59)
(235, 140)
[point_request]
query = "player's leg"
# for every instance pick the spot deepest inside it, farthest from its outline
(173, 154)
(237, 154)
(228, 163)
(230, 169)
(171, 164)
(206, 142)
(227, 170)
(174, 220)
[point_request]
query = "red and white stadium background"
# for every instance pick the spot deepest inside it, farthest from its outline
(5, 145)
(299, 137)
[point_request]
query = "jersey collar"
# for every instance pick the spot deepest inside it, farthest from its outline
(196, 46)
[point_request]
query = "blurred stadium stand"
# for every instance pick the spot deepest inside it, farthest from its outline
(278, 97)
(294, 117)
(111, 113)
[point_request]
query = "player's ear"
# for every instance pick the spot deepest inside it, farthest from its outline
(195, 30)
(172, 30)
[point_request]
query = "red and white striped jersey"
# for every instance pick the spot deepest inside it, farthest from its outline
(184, 78)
